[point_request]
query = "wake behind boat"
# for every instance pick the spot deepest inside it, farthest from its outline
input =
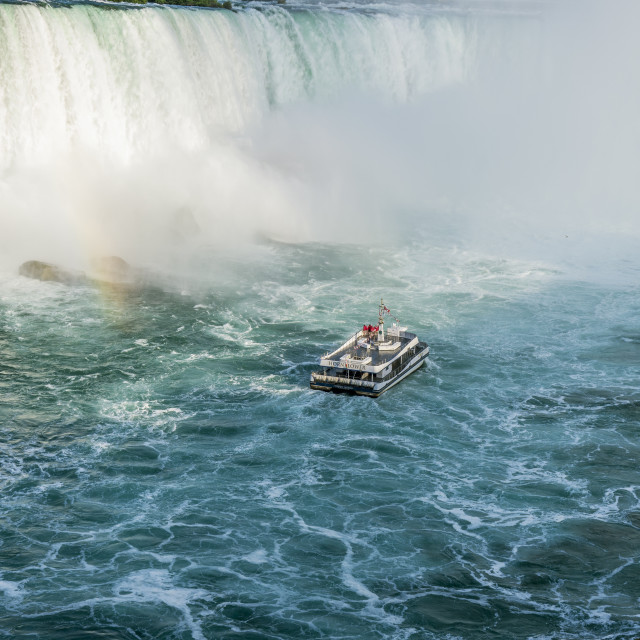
(370, 362)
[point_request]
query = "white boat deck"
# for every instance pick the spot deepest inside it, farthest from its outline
(370, 353)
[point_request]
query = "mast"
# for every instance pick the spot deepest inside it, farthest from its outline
(381, 321)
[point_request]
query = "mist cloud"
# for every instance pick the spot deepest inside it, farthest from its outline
(534, 135)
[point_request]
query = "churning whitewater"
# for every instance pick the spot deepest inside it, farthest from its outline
(269, 174)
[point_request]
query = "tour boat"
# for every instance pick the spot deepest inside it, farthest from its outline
(372, 360)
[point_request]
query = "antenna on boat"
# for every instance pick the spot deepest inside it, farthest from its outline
(381, 321)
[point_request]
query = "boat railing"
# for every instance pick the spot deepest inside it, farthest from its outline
(344, 345)
(319, 377)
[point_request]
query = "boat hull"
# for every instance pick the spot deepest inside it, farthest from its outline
(321, 382)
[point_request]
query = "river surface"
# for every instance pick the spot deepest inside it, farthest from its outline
(165, 470)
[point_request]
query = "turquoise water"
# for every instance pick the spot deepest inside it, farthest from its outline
(165, 470)
(167, 473)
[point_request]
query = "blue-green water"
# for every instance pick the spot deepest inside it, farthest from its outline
(167, 473)
(165, 470)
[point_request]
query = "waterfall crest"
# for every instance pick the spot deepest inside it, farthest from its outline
(127, 81)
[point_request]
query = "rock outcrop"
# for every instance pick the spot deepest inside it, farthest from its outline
(51, 273)
(113, 269)
(111, 272)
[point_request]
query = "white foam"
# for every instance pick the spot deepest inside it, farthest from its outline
(259, 556)
(12, 590)
(156, 585)
(474, 521)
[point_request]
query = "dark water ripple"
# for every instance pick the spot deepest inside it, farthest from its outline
(166, 472)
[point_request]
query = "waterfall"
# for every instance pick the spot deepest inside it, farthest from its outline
(128, 81)
(314, 121)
